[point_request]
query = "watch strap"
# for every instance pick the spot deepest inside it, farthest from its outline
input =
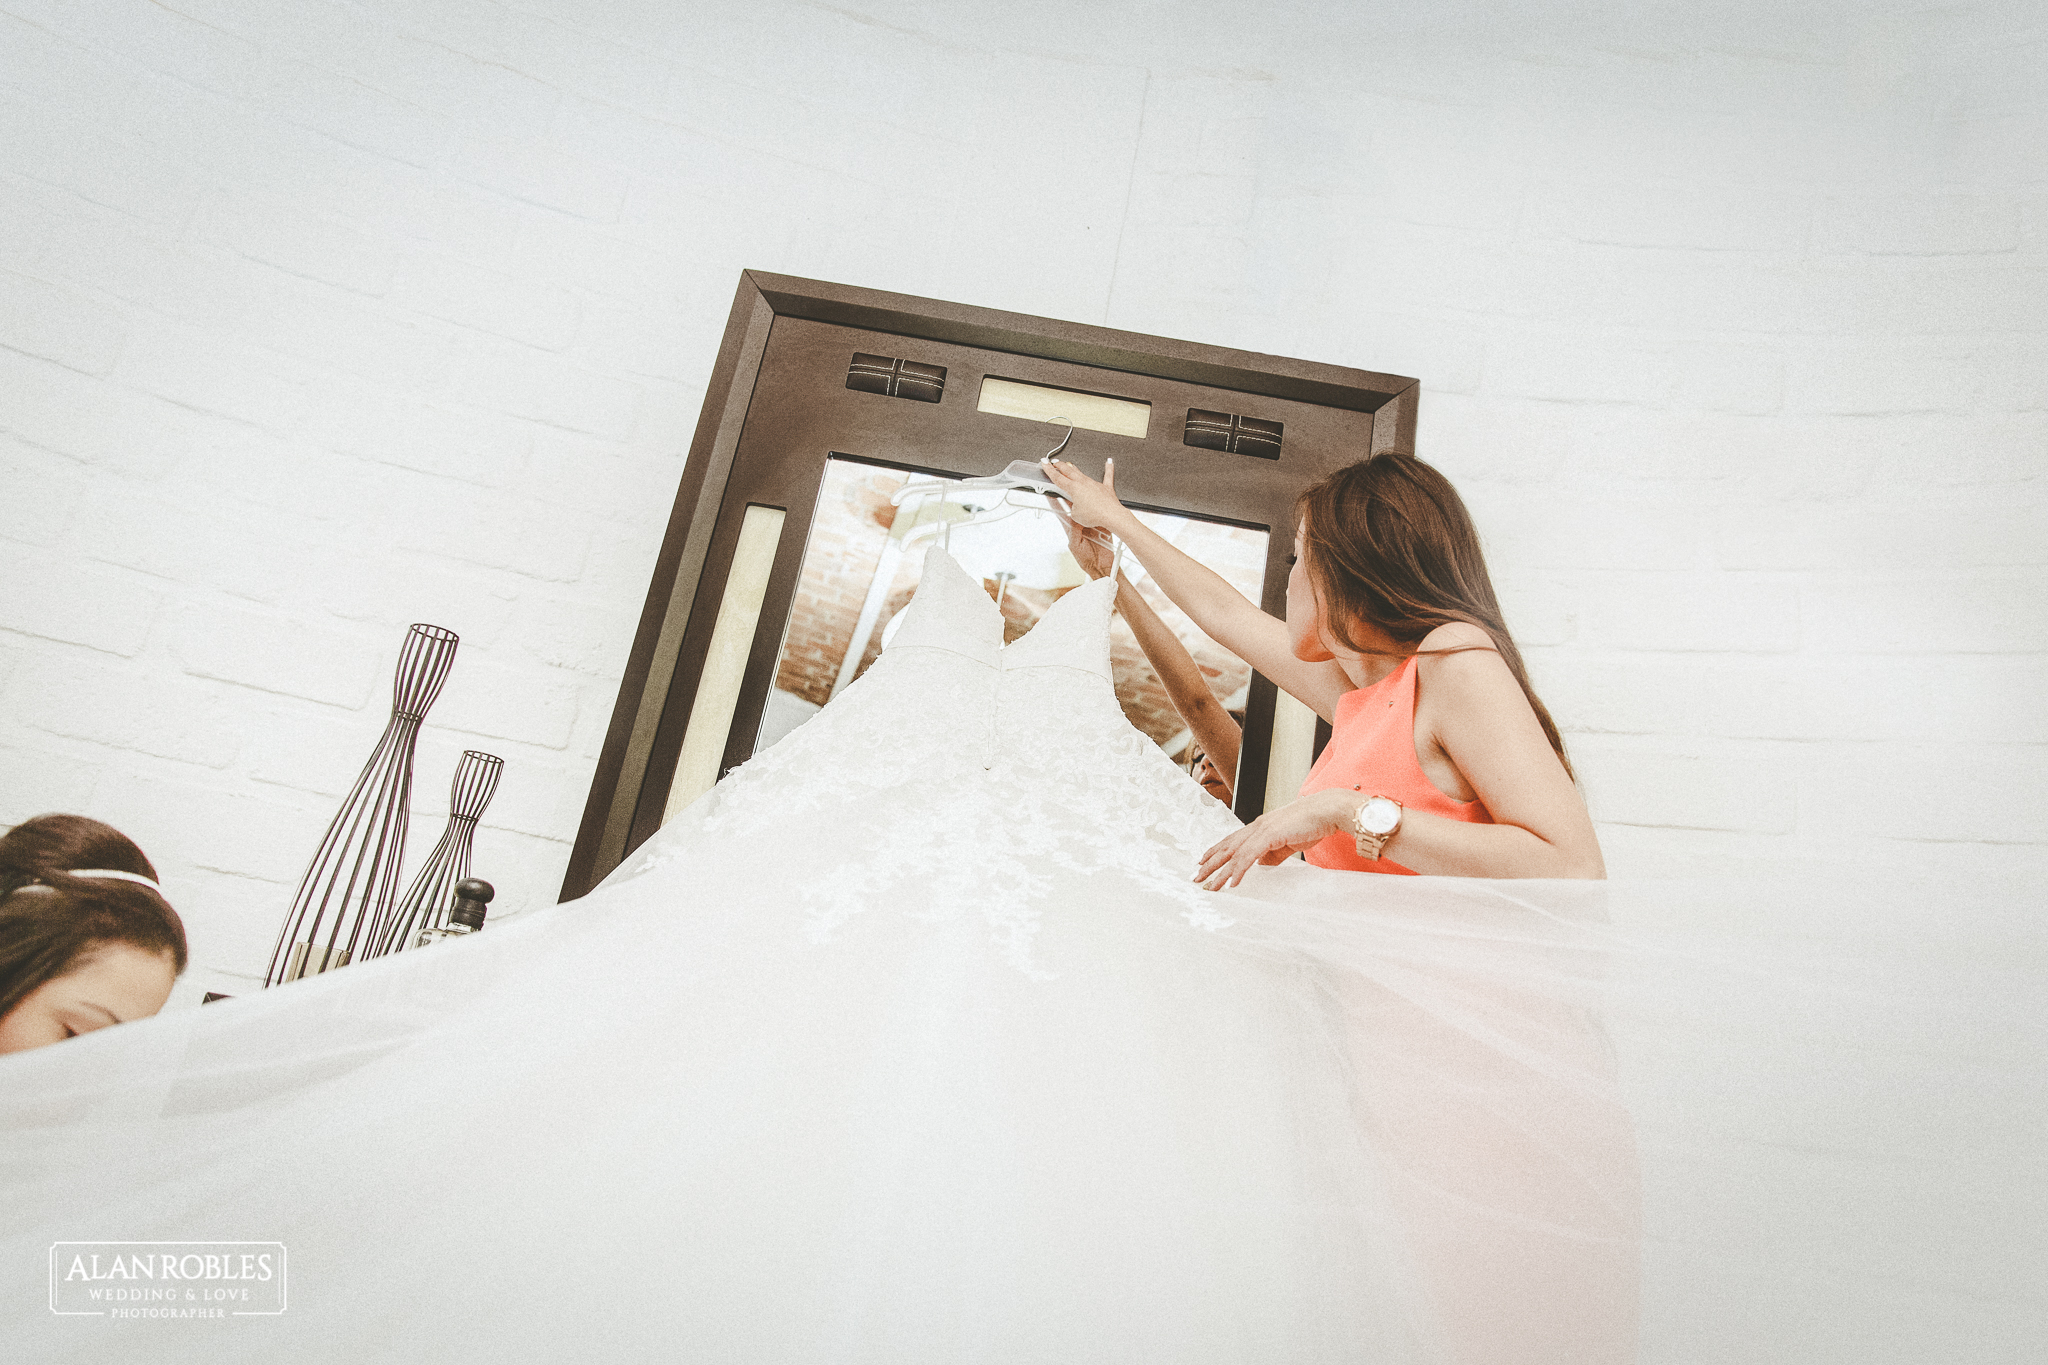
(1370, 846)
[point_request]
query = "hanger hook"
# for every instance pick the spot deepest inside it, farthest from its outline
(1063, 440)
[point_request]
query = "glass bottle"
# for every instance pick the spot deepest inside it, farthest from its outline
(466, 916)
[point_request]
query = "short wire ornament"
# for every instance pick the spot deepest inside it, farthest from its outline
(347, 892)
(426, 903)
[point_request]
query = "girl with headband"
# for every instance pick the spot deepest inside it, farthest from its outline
(86, 937)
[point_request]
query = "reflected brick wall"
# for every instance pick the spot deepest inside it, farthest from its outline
(848, 533)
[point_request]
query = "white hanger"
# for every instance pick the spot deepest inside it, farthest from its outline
(1016, 474)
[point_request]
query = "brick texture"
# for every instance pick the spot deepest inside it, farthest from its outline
(319, 319)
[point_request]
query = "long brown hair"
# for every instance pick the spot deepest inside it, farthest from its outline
(48, 934)
(1390, 543)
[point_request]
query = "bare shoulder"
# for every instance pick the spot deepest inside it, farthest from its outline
(1475, 668)
(1456, 635)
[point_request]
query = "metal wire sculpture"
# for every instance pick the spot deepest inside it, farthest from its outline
(347, 892)
(426, 903)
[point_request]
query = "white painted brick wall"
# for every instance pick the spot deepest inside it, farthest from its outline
(318, 319)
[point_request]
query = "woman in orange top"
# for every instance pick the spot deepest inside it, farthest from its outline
(1442, 761)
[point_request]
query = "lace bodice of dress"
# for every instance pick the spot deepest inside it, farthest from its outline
(957, 765)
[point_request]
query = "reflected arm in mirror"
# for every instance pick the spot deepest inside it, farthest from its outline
(1214, 731)
(1224, 613)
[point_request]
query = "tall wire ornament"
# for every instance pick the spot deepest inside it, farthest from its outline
(425, 904)
(348, 889)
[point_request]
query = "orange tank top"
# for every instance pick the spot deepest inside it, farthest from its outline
(1372, 749)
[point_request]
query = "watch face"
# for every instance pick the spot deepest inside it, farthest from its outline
(1379, 815)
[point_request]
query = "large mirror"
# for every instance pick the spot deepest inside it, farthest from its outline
(733, 652)
(864, 554)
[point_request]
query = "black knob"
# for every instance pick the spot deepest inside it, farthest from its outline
(472, 894)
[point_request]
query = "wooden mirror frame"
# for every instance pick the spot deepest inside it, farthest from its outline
(630, 788)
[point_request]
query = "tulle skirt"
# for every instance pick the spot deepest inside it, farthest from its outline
(1367, 1119)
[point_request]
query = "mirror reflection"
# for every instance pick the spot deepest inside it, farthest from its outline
(861, 567)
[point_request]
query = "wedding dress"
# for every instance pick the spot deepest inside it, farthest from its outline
(913, 1041)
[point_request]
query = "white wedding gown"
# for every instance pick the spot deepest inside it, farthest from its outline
(914, 1042)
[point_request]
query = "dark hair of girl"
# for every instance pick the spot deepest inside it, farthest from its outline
(48, 934)
(1390, 543)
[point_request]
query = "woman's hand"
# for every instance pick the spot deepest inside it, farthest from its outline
(1089, 503)
(1276, 836)
(1089, 551)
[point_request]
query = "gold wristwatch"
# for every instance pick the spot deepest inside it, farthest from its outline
(1376, 820)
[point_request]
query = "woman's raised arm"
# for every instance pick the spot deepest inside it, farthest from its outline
(1229, 618)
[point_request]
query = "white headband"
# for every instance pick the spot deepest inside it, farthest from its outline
(117, 875)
